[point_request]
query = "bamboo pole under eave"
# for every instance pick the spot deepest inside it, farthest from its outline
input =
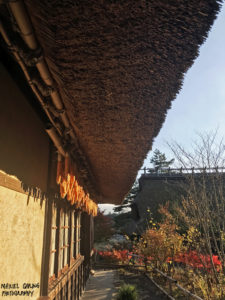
(19, 12)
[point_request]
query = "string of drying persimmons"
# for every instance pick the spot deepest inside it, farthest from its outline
(69, 187)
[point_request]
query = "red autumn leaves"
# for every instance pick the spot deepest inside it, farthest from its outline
(196, 260)
(191, 259)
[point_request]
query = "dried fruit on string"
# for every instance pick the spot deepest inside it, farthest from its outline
(62, 191)
(69, 187)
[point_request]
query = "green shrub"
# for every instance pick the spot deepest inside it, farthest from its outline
(127, 292)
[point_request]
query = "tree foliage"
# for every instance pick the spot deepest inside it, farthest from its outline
(103, 227)
(129, 198)
(160, 161)
(161, 241)
(204, 204)
(121, 220)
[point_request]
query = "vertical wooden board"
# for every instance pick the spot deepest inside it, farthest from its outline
(57, 296)
(74, 286)
(82, 276)
(64, 292)
(81, 279)
(52, 260)
(92, 231)
(79, 228)
(68, 289)
(46, 249)
(66, 239)
(79, 272)
(76, 234)
(86, 238)
(57, 261)
(53, 255)
(77, 284)
(71, 238)
(61, 240)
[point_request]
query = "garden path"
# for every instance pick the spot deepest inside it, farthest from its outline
(100, 286)
(146, 289)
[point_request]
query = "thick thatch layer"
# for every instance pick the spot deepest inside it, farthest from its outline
(119, 64)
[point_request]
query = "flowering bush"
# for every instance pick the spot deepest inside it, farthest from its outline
(160, 242)
(191, 259)
(196, 260)
(163, 246)
(115, 256)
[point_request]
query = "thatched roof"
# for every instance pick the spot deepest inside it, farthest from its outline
(119, 64)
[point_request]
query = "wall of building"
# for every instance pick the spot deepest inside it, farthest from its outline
(24, 158)
(21, 234)
(86, 242)
(153, 192)
(24, 150)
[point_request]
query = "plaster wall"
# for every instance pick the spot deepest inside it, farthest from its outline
(24, 144)
(21, 236)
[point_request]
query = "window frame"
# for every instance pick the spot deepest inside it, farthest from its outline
(65, 240)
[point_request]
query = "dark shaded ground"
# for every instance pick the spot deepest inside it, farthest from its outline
(146, 289)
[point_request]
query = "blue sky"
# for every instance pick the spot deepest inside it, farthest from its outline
(200, 106)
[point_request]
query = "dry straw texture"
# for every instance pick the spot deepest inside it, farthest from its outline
(119, 64)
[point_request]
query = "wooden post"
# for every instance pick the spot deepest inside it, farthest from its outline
(46, 249)
(47, 233)
(86, 242)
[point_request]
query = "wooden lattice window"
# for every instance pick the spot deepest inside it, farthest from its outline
(65, 240)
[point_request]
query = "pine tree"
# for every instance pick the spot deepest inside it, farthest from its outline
(129, 198)
(160, 161)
